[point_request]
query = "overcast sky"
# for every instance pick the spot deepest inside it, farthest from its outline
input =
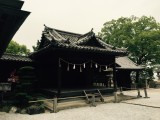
(78, 16)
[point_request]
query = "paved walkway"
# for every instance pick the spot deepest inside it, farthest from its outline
(108, 111)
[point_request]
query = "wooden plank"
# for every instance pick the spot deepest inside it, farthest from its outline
(65, 98)
(40, 100)
(58, 99)
(86, 96)
(102, 99)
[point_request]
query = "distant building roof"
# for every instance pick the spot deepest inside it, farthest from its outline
(126, 63)
(17, 58)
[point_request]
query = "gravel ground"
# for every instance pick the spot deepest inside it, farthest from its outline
(108, 111)
(152, 101)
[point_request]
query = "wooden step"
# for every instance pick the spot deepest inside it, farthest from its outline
(66, 105)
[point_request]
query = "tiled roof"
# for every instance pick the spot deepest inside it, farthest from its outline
(18, 58)
(88, 42)
(126, 63)
(72, 37)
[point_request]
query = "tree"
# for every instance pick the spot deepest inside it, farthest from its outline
(15, 48)
(141, 37)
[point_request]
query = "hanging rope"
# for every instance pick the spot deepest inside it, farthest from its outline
(97, 65)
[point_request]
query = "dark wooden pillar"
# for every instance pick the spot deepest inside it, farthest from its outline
(59, 80)
(114, 76)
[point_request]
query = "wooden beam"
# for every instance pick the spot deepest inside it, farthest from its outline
(114, 76)
(59, 81)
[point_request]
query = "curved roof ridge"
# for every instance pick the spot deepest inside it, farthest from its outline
(104, 44)
(53, 34)
(109, 46)
(62, 31)
(84, 38)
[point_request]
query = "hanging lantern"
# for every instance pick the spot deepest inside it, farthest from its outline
(84, 65)
(74, 66)
(100, 69)
(91, 64)
(80, 68)
(96, 65)
(59, 63)
(106, 67)
(68, 67)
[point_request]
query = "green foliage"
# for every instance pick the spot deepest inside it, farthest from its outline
(35, 109)
(156, 68)
(27, 74)
(25, 87)
(152, 84)
(141, 37)
(22, 99)
(5, 108)
(146, 74)
(15, 48)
